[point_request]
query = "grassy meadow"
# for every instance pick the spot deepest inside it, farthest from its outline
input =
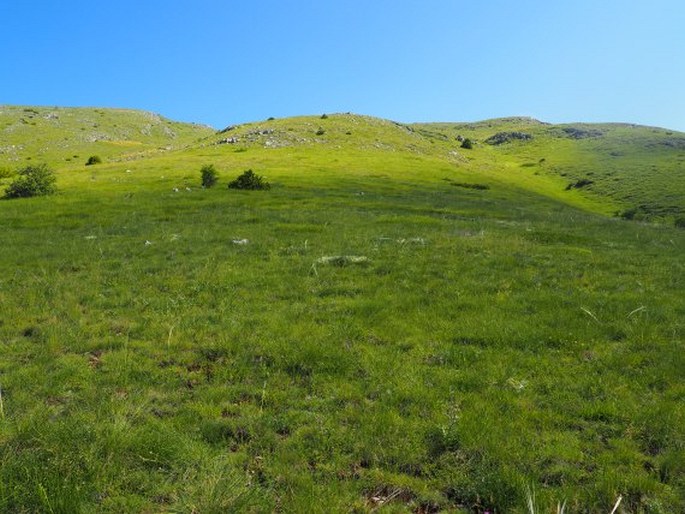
(398, 325)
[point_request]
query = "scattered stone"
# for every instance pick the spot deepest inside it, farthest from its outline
(678, 143)
(578, 133)
(240, 241)
(342, 260)
(412, 240)
(148, 243)
(517, 385)
(507, 137)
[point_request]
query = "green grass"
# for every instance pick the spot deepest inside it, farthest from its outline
(631, 166)
(62, 136)
(492, 341)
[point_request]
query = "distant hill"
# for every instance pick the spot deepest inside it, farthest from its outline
(640, 167)
(631, 170)
(65, 135)
(637, 170)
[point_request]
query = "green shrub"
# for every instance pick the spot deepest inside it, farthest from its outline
(679, 222)
(249, 180)
(467, 144)
(209, 175)
(33, 180)
(579, 184)
(635, 213)
(93, 159)
(320, 132)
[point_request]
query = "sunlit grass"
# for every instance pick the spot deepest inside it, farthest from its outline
(489, 341)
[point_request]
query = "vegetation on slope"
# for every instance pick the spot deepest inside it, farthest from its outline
(372, 332)
(641, 169)
(61, 136)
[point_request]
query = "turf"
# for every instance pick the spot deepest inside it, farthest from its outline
(372, 333)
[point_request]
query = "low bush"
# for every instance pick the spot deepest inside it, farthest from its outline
(93, 159)
(467, 144)
(579, 184)
(634, 213)
(33, 180)
(249, 180)
(465, 185)
(209, 175)
(679, 222)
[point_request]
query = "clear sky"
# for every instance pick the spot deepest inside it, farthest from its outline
(224, 62)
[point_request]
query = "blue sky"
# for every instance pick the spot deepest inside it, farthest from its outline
(225, 62)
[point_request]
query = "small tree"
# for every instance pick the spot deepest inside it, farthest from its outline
(249, 180)
(209, 175)
(93, 159)
(33, 180)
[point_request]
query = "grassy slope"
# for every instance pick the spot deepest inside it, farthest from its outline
(496, 338)
(636, 167)
(60, 136)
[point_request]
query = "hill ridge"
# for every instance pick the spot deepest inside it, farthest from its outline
(629, 168)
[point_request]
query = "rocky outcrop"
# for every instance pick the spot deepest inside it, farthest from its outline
(507, 137)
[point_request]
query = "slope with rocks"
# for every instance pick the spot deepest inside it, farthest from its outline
(63, 136)
(641, 169)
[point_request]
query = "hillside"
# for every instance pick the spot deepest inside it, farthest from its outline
(61, 136)
(642, 168)
(398, 325)
(634, 170)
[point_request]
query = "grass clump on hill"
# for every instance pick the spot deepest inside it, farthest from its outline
(33, 180)
(93, 159)
(249, 180)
